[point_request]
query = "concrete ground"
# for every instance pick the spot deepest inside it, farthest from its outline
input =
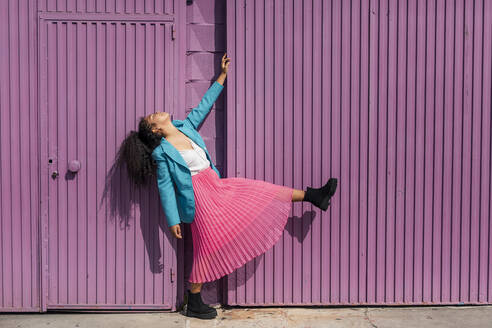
(394, 317)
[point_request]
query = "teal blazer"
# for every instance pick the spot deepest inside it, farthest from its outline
(173, 175)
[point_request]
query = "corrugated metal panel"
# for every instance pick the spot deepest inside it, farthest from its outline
(394, 99)
(97, 79)
(108, 6)
(19, 164)
(21, 282)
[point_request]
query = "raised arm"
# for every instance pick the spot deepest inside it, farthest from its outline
(198, 114)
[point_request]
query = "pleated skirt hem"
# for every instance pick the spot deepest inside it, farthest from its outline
(236, 220)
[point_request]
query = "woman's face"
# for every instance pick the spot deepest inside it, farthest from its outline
(159, 119)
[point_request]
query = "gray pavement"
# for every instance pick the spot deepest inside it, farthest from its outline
(237, 317)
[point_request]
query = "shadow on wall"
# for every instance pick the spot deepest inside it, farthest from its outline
(127, 202)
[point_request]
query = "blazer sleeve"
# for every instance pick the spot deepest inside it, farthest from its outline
(167, 193)
(198, 114)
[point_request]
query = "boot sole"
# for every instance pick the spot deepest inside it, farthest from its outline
(332, 187)
(209, 315)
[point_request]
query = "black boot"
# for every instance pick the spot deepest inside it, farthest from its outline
(320, 197)
(196, 308)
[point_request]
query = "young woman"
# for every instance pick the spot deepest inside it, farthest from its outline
(232, 219)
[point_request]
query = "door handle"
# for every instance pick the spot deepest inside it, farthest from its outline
(74, 166)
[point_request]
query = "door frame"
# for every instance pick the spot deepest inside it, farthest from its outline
(43, 18)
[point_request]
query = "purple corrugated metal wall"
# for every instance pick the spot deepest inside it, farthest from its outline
(394, 99)
(75, 78)
(411, 220)
(19, 171)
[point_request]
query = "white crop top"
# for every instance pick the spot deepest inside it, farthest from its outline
(195, 158)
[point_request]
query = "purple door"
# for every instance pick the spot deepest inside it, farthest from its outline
(104, 243)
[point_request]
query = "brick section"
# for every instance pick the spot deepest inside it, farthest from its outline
(205, 45)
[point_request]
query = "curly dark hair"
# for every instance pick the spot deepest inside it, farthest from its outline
(136, 153)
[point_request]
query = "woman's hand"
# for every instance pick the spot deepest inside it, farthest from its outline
(176, 231)
(225, 63)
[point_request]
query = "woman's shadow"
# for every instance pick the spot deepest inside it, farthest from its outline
(297, 227)
(127, 202)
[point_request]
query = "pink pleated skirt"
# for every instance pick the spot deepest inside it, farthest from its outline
(236, 219)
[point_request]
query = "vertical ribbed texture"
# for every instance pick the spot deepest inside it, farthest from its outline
(236, 219)
(61, 242)
(19, 158)
(394, 99)
(97, 80)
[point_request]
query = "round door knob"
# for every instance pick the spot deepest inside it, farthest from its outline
(74, 166)
(55, 174)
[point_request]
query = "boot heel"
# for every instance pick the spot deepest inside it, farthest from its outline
(325, 203)
(209, 315)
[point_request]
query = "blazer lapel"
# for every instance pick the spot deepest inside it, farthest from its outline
(172, 152)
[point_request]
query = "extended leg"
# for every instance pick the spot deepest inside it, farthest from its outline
(320, 197)
(298, 195)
